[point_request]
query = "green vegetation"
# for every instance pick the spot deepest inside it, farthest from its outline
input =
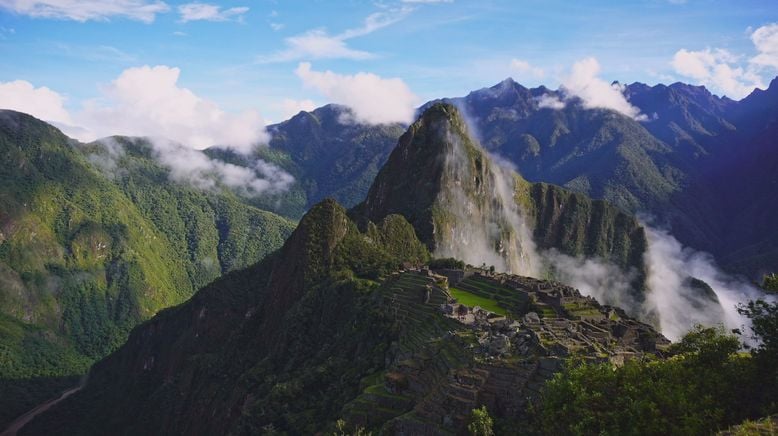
(342, 430)
(328, 157)
(472, 300)
(85, 255)
(446, 263)
(22, 395)
(762, 427)
(416, 183)
(706, 386)
(316, 303)
(770, 282)
(506, 300)
(480, 423)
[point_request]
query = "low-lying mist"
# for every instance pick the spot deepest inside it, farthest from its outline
(491, 232)
(195, 168)
(677, 296)
(678, 304)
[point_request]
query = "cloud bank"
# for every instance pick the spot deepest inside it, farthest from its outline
(142, 101)
(42, 102)
(716, 69)
(148, 102)
(584, 83)
(731, 74)
(373, 99)
(548, 101)
(86, 10)
(678, 304)
(765, 41)
(195, 168)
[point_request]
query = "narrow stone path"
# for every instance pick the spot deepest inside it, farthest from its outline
(25, 419)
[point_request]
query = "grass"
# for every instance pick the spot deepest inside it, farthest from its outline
(471, 300)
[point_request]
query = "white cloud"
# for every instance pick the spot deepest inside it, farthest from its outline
(290, 107)
(277, 26)
(765, 40)
(728, 73)
(373, 99)
(197, 169)
(318, 44)
(716, 69)
(524, 69)
(142, 101)
(85, 10)
(550, 101)
(41, 102)
(315, 44)
(147, 101)
(595, 92)
(208, 12)
(427, 1)
(679, 305)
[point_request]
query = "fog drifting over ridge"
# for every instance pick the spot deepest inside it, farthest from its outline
(671, 300)
(195, 168)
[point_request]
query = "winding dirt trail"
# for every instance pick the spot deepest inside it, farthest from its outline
(25, 419)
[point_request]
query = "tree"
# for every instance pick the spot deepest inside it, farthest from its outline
(764, 328)
(480, 422)
(770, 282)
(706, 385)
(764, 325)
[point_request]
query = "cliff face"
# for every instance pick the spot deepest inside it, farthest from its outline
(579, 226)
(462, 204)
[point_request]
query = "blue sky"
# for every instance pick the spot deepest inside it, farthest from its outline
(273, 57)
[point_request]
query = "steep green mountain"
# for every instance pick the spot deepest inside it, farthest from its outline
(597, 152)
(285, 341)
(85, 257)
(688, 118)
(327, 329)
(700, 164)
(328, 153)
(745, 176)
(464, 205)
(727, 149)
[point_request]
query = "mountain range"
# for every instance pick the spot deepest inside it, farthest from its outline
(702, 165)
(699, 165)
(338, 320)
(86, 255)
(97, 238)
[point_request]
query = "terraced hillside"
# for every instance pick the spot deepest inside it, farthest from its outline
(344, 335)
(446, 361)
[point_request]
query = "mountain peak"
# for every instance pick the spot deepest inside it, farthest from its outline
(412, 178)
(460, 204)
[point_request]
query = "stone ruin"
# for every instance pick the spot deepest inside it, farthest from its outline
(482, 358)
(604, 331)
